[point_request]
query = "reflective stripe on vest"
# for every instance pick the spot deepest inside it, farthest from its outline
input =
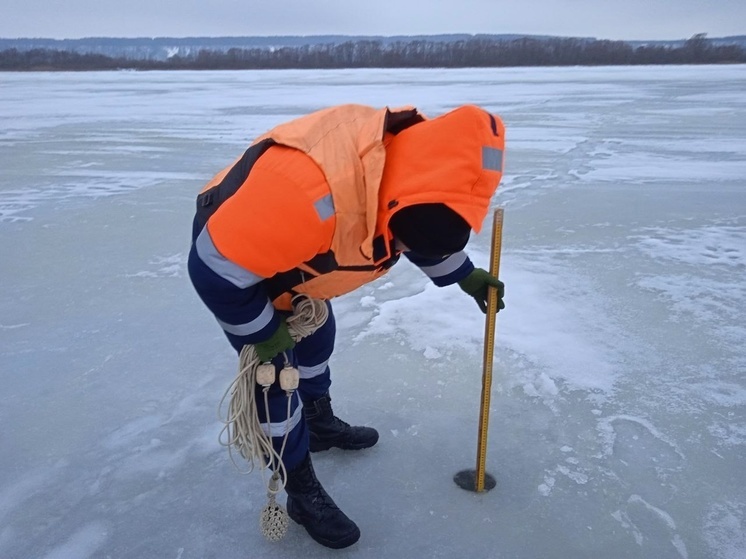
(324, 207)
(492, 159)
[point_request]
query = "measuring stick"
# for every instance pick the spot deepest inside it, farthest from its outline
(489, 351)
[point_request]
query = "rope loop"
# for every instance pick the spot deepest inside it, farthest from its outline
(242, 431)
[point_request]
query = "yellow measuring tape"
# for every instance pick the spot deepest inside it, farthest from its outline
(478, 480)
(489, 351)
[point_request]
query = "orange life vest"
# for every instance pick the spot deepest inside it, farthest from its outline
(375, 162)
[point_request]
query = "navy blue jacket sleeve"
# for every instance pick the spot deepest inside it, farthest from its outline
(443, 271)
(245, 314)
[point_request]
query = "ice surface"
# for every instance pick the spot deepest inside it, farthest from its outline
(618, 421)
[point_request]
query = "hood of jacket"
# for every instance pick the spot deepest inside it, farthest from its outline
(455, 159)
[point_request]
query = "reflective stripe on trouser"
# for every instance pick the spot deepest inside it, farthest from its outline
(311, 356)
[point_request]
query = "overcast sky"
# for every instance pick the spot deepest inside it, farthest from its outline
(603, 19)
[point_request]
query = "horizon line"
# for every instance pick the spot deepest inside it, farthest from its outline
(319, 35)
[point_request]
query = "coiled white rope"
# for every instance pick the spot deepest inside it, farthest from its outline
(242, 431)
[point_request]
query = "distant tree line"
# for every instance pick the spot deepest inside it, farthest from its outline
(412, 54)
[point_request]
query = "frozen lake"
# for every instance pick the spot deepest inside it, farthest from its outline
(618, 423)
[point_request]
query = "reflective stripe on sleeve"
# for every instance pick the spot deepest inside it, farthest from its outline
(252, 326)
(492, 159)
(450, 264)
(312, 371)
(279, 428)
(209, 254)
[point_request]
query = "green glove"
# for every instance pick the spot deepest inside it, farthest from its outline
(477, 285)
(278, 342)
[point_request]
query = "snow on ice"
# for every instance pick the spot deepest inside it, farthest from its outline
(618, 421)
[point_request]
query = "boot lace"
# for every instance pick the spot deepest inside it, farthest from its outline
(342, 425)
(321, 499)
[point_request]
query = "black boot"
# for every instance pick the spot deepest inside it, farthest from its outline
(311, 507)
(329, 431)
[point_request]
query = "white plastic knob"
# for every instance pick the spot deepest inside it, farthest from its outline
(265, 374)
(289, 378)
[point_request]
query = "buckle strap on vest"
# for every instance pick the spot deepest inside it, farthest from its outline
(286, 282)
(209, 201)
